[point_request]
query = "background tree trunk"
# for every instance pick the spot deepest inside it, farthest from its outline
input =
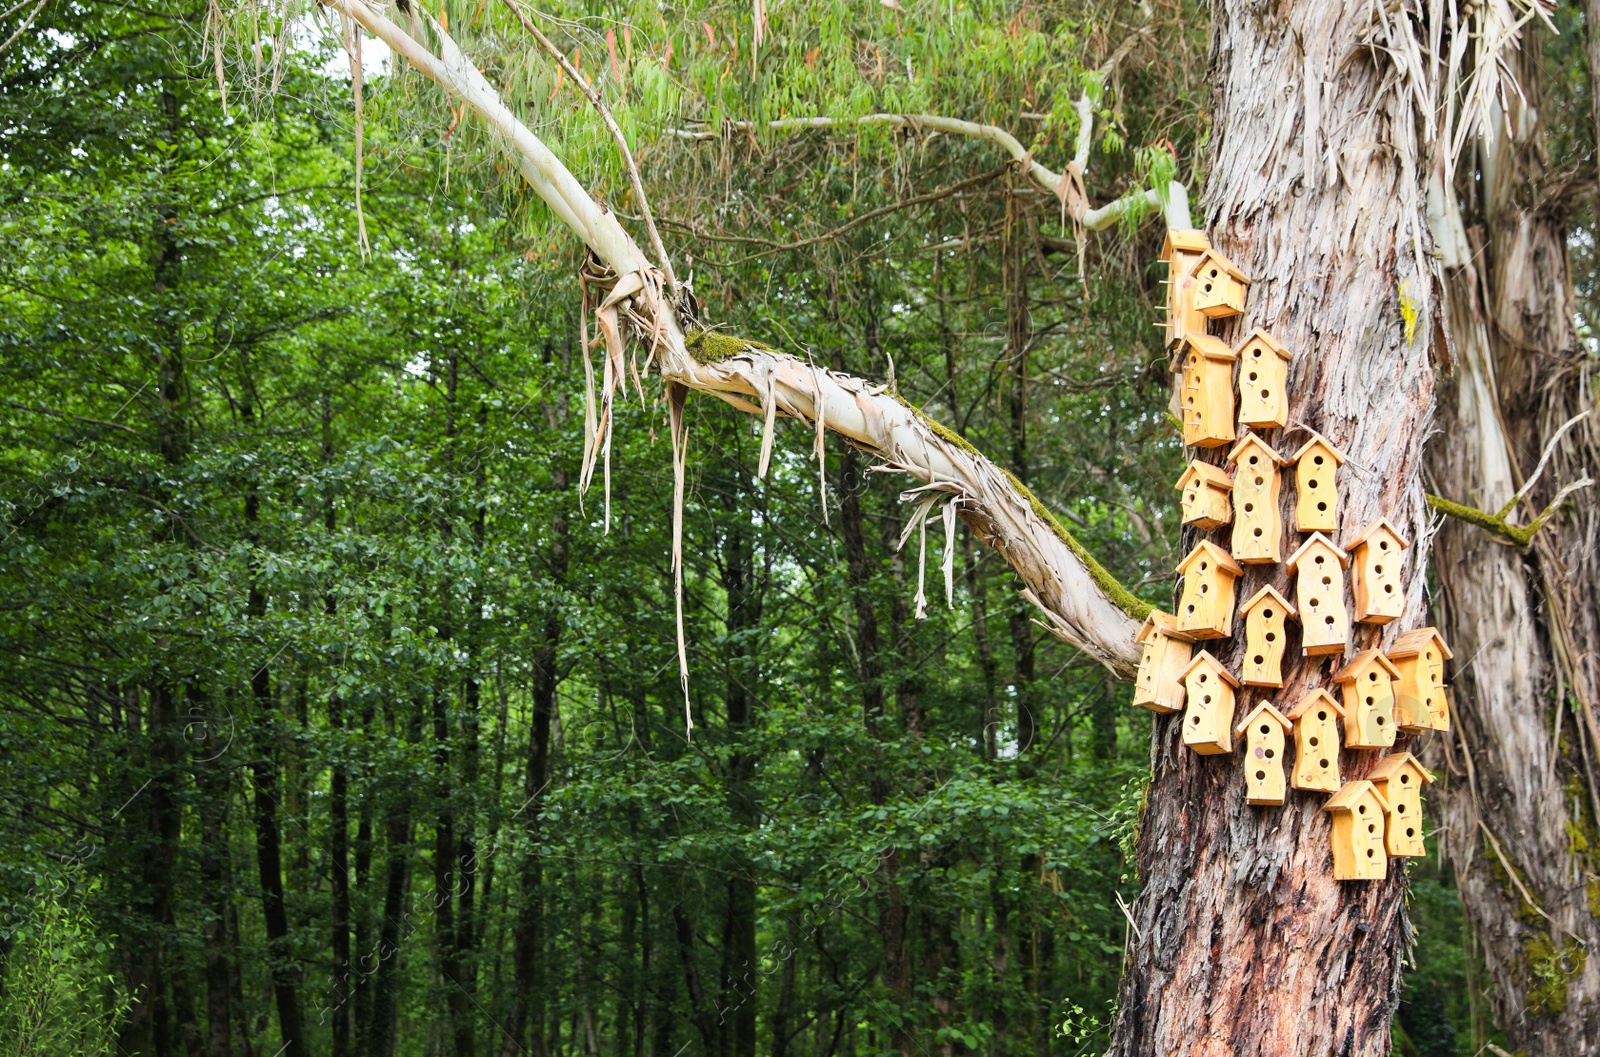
(1243, 942)
(1517, 793)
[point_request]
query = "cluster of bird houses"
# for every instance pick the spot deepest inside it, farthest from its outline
(1235, 398)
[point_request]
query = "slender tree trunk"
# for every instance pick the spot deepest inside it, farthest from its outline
(269, 838)
(380, 1040)
(343, 1021)
(526, 1018)
(216, 881)
(1523, 624)
(144, 1032)
(739, 999)
(1243, 942)
(1015, 259)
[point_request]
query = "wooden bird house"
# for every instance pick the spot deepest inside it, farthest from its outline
(1264, 616)
(1358, 811)
(1367, 683)
(1318, 568)
(1206, 391)
(1182, 251)
(1164, 656)
(1257, 524)
(1399, 780)
(1419, 698)
(1204, 491)
(1208, 709)
(1265, 730)
(1316, 742)
(1263, 382)
(1316, 498)
(1380, 596)
(1219, 286)
(1205, 609)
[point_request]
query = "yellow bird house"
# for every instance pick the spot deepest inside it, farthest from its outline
(1263, 382)
(1205, 608)
(1204, 491)
(1264, 615)
(1182, 251)
(1419, 698)
(1399, 780)
(1316, 499)
(1208, 711)
(1257, 523)
(1316, 742)
(1163, 657)
(1367, 685)
(1265, 730)
(1219, 286)
(1318, 568)
(1206, 391)
(1376, 550)
(1358, 811)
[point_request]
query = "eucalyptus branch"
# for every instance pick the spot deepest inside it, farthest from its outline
(1087, 605)
(616, 133)
(1175, 209)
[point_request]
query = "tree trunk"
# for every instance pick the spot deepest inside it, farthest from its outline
(1015, 259)
(342, 1019)
(1518, 792)
(216, 880)
(740, 973)
(526, 1017)
(1243, 942)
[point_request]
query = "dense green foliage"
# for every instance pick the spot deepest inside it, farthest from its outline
(326, 700)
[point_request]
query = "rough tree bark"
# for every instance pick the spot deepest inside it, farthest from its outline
(1515, 809)
(1243, 943)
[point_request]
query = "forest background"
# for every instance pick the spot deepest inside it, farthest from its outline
(335, 721)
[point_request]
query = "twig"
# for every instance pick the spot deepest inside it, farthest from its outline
(616, 133)
(25, 24)
(1544, 459)
(1497, 525)
(75, 418)
(931, 196)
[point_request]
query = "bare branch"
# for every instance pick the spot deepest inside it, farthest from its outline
(1175, 209)
(25, 24)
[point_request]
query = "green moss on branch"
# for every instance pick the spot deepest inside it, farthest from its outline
(1494, 524)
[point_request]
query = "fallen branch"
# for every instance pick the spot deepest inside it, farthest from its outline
(1089, 608)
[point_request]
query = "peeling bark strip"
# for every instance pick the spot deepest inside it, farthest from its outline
(1086, 606)
(1245, 944)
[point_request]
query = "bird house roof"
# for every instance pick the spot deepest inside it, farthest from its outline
(1269, 341)
(1392, 765)
(1211, 348)
(1414, 642)
(1254, 441)
(1361, 662)
(1204, 658)
(1185, 240)
(1269, 593)
(1316, 540)
(1319, 696)
(1164, 623)
(1372, 531)
(1265, 711)
(1214, 256)
(1318, 440)
(1223, 559)
(1351, 793)
(1208, 474)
